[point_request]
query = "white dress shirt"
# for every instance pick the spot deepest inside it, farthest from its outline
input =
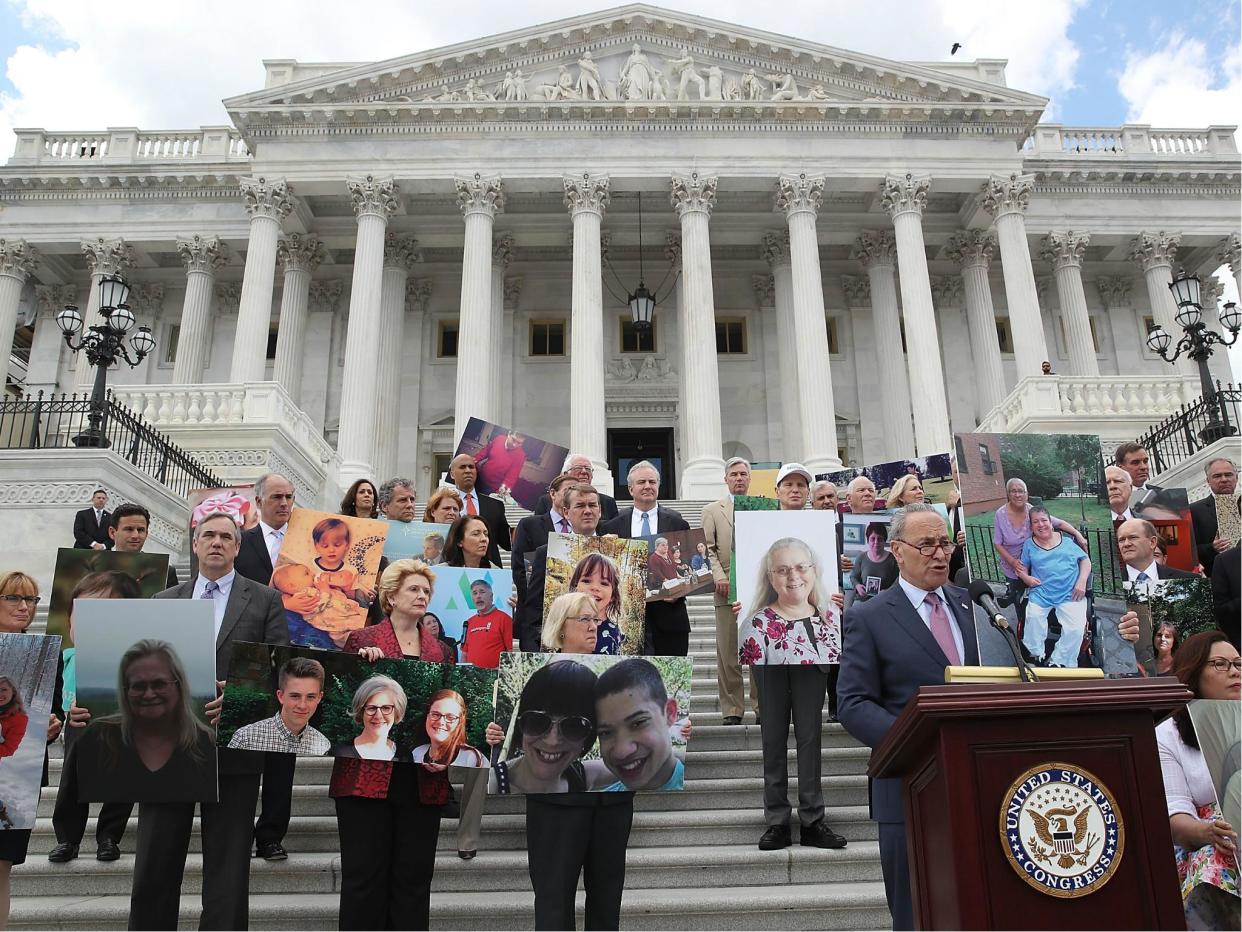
(1124, 516)
(220, 599)
(917, 598)
(636, 522)
(99, 516)
(273, 538)
(473, 495)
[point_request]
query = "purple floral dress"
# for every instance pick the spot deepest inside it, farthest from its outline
(770, 639)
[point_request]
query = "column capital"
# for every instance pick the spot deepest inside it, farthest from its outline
(1007, 195)
(1064, 249)
(775, 248)
(51, 298)
(1229, 252)
(1211, 290)
(401, 251)
(901, 194)
(672, 247)
(300, 252)
(371, 196)
(418, 293)
(1114, 290)
(480, 194)
(502, 250)
(107, 256)
(875, 248)
(228, 297)
(857, 289)
(947, 290)
(265, 197)
(586, 193)
(203, 253)
(693, 193)
(1152, 250)
(765, 290)
(512, 292)
(971, 248)
(801, 192)
(17, 258)
(146, 298)
(325, 297)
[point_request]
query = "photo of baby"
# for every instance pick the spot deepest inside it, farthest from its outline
(326, 573)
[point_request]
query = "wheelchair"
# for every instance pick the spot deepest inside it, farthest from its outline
(1088, 652)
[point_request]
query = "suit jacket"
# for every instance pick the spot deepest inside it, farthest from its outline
(531, 534)
(671, 616)
(253, 613)
(87, 531)
(1203, 522)
(1226, 595)
(889, 654)
(1167, 572)
(528, 619)
(253, 561)
(607, 506)
(718, 529)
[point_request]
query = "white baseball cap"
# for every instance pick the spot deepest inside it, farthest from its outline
(794, 469)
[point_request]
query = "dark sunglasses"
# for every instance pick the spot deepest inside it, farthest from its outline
(573, 727)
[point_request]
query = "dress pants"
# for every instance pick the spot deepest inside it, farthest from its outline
(163, 842)
(277, 798)
(896, 867)
(729, 668)
(670, 643)
(69, 817)
(798, 690)
(473, 796)
(388, 856)
(563, 841)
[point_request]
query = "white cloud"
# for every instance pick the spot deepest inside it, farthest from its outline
(159, 64)
(1179, 85)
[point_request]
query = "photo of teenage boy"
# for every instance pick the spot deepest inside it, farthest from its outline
(633, 718)
(299, 692)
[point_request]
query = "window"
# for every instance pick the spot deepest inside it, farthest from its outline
(731, 336)
(1004, 336)
(960, 449)
(271, 344)
(547, 338)
(634, 341)
(834, 340)
(1095, 337)
(446, 340)
(985, 457)
(1149, 324)
(170, 344)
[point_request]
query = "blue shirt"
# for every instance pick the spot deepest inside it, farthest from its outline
(1056, 570)
(674, 782)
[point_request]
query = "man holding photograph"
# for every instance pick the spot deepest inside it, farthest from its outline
(299, 692)
(128, 531)
(1221, 474)
(582, 508)
(533, 530)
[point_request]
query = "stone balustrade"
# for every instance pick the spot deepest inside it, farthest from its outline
(130, 145)
(1052, 140)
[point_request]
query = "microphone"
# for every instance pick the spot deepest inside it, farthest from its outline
(981, 595)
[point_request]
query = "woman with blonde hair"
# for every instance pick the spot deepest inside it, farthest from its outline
(572, 625)
(907, 489)
(444, 506)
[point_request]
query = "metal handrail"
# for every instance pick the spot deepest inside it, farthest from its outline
(1176, 438)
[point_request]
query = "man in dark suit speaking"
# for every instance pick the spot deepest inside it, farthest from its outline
(896, 642)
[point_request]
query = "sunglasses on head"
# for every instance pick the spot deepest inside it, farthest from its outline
(536, 724)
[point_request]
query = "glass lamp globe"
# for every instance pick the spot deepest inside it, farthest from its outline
(69, 319)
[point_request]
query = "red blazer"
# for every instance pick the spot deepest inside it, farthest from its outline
(370, 778)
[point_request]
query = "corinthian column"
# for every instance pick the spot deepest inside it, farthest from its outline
(1229, 252)
(502, 253)
(401, 253)
(776, 251)
(702, 472)
(1006, 200)
(268, 203)
(586, 197)
(972, 250)
(103, 257)
(1064, 250)
(299, 257)
(374, 200)
(877, 251)
(17, 260)
(480, 198)
(1155, 254)
(202, 258)
(904, 197)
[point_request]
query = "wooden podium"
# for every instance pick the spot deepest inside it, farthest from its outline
(997, 781)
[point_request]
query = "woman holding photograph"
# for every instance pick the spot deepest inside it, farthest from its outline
(1055, 571)
(467, 543)
(446, 734)
(361, 500)
(1205, 845)
(444, 506)
(1011, 529)
(388, 816)
(792, 621)
(598, 577)
(875, 569)
(572, 627)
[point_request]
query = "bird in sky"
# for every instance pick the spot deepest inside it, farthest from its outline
(956, 46)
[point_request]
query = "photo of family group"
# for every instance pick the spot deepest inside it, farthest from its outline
(898, 482)
(678, 565)
(786, 577)
(511, 464)
(575, 723)
(422, 540)
(326, 575)
(613, 571)
(28, 665)
(1169, 611)
(145, 670)
(314, 703)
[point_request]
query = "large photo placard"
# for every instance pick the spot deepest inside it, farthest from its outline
(613, 571)
(678, 565)
(472, 606)
(511, 463)
(28, 665)
(895, 480)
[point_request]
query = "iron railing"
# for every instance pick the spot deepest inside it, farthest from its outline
(53, 421)
(1106, 573)
(1176, 438)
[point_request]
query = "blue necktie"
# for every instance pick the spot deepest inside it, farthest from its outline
(209, 591)
(646, 524)
(1142, 577)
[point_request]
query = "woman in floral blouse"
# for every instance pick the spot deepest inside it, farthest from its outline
(792, 621)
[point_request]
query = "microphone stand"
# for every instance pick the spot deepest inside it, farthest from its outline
(1001, 624)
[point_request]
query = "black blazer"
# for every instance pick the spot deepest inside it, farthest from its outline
(253, 560)
(1226, 592)
(253, 613)
(1169, 572)
(531, 534)
(1203, 522)
(670, 617)
(87, 531)
(528, 620)
(607, 506)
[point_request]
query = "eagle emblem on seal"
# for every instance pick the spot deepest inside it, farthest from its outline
(1069, 845)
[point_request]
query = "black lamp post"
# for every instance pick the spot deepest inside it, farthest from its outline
(104, 344)
(1197, 342)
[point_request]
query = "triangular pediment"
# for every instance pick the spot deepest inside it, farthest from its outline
(631, 55)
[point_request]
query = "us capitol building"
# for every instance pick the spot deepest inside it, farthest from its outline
(852, 256)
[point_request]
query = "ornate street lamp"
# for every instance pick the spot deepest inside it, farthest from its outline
(642, 303)
(1197, 342)
(104, 344)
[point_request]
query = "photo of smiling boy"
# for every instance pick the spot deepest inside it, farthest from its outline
(299, 693)
(633, 716)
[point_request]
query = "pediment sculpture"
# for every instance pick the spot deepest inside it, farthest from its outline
(652, 370)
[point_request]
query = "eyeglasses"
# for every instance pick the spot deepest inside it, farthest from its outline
(138, 687)
(384, 710)
(537, 724)
(1221, 665)
(587, 619)
(929, 549)
(784, 572)
(447, 717)
(31, 600)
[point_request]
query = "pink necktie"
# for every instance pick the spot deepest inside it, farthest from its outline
(940, 628)
(564, 526)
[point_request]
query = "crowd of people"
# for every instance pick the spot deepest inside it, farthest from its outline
(388, 816)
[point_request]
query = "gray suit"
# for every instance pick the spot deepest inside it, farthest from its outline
(890, 653)
(253, 613)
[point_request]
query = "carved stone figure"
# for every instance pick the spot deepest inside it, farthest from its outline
(732, 90)
(684, 69)
(518, 87)
(563, 89)
(784, 87)
(818, 93)
(637, 77)
(589, 87)
(653, 370)
(752, 86)
(475, 91)
(622, 370)
(715, 83)
(659, 86)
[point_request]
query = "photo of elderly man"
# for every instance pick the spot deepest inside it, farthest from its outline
(299, 691)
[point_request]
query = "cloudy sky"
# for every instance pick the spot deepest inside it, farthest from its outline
(165, 64)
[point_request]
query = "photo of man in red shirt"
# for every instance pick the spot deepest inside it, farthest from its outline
(500, 464)
(487, 633)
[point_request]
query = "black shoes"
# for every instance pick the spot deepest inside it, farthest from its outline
(467, 855)
(819, 835)
(63, 853)
(775, 838)
(272, 851)
(108, 850)
(731, 720)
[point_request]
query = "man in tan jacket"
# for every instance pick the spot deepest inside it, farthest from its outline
(718, 528)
